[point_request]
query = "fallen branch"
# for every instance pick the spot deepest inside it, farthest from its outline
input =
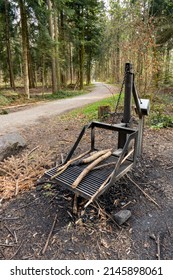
(49, 236)
(6, 245)
(124, 159)
(17, 187)
(170, 167)
(109, 216)
(158, 247)
(9, 218)
(62, 168)
(98, 191)
(92, 157)
(146, 195)
(17, 250)
(104, 165)
(9, 230)
(2, 253)
(24, 206)
(114, 162)
(30, 152)
(89, 168)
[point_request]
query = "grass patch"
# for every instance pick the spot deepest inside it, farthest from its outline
(4, 101)
(90, 112)
(62, 94)
(161, 113)
(8, 98)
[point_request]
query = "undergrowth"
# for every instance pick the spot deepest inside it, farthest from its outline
(161, 121)
(7, 99)
(161, 115)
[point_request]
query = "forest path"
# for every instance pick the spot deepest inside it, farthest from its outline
(16, 120)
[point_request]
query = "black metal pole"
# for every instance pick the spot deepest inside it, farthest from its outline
(128, 93)
(127, 104)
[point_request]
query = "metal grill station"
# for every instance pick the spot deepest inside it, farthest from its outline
(122, 158)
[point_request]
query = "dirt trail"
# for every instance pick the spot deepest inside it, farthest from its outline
(13, 121)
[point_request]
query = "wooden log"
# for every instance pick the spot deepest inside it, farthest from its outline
(103, 112)
(92, 157)
(89, 168)
(66, 165)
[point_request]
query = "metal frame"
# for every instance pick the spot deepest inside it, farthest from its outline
(121, 166)
(129, 145)
(124, 130)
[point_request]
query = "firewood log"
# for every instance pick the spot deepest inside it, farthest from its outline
(62, 168)
(92, 157)
(90, 167)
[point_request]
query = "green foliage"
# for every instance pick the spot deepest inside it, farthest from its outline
(161, 111)
(90, 112)
(161, 7)
(161, 121)
(9, 98)
(4, 101)
(62, 94)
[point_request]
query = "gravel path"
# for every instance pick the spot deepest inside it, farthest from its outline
(15, 120)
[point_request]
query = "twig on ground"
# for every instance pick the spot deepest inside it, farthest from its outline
(17, 250)
(9, 218)
(170, 167)
(32, 150)
(15, 236)
(17, 187)
(24, 206)
(9, 230)
(168, 228)
(2, 253)
(6, 245)
(158, 246)
(104, 212)
(49, 236)
(125, 205)
(146, 195)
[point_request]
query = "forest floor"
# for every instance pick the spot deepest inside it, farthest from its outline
(26, 219)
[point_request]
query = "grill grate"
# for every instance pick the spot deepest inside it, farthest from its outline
(90, 184)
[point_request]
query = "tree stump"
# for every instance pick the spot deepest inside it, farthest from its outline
(104, 112)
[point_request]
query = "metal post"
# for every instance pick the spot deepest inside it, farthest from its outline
(140, 136)
(128, 93)
(127, 103)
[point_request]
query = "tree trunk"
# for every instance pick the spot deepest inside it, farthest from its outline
(51, 30)
(56, 49)
(9, 57)
(81, 64)
(30, 68)
(24, 46)
(89, 70)
(118, 58)
(167, 66)
(71, 63)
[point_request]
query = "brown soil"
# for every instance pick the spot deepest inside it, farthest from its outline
(26, 219)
